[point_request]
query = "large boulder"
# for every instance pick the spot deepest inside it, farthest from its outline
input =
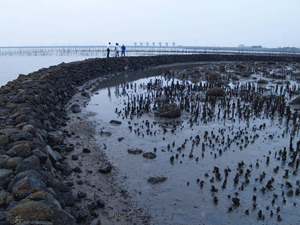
(21, 150)
(5, 176)
(28, 186)
(52, 154)
(46, 198)
(55, 138)
(30, 163)
(62, 217)
(29, 128)
(168, 111)
(21, 136)
(5, 198)
(39, 175)
(4, 140)
(3, 160)
(30, 211)
(13, 163)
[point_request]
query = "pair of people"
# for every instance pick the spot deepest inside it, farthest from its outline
(117, 50)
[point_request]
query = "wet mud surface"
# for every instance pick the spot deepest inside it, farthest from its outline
(231, 156)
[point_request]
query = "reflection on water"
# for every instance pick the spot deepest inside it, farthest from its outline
(230, 151)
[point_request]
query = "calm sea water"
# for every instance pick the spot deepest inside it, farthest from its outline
(25, 60)
(12, 66)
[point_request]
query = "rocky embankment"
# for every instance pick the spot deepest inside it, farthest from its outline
(32, 149)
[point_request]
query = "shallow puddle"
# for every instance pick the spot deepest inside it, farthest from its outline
(223, 159)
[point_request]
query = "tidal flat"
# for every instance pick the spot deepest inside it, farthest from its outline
(225, 148)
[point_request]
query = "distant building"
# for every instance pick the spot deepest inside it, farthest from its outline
(256, 46)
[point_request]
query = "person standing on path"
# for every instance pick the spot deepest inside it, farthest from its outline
(123, 50)
(108, 49)
(117, 49)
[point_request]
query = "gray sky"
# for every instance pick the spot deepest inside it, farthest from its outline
(270, 23)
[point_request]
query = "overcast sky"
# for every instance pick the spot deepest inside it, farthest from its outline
(270, 23)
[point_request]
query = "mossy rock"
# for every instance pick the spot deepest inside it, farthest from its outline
(5, 198)
(4, 140)
(21, 150)
(37, 196)
(29, 211)
(12, 163)
(3, 161)
(27, 186)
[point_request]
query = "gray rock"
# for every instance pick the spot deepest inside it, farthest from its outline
(62, 217)
(13, 163)
(155, 180)
(21, 150)
(105, 132)
(81, 194)
(135, 151)
(55, 138)
(20, 176)
(29, 128)
(51, 154)
(65, 169)
(75, 108)
(51, 202)
(58, 156)
(149, 155)
(68, 198)
(36, 223)
(4, 198)
(3, 160)
(117, 122)
(47, 166)
(27, 186)
(71, 211)
(41, 156)
(96, 222)
(30, 163)
(22, 119)
(85, 94)
(77, 169)
(3, 140)
(86, 150)
(59, 185)
(30, 211)
(106, 168)
(100, 203)
(21, 136)
(70, 148)
(5, 176)
(74, 157)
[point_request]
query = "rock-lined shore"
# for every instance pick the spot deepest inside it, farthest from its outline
(32, 149)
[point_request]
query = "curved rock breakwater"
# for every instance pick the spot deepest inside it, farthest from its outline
(32, 149)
